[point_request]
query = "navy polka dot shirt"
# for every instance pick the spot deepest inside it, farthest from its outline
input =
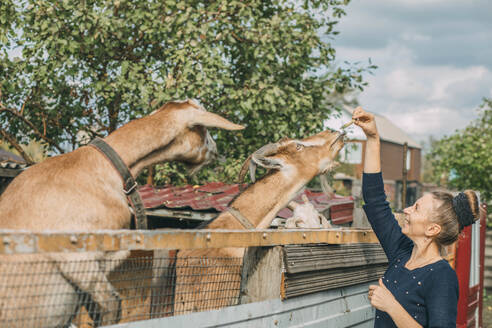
(430, 293)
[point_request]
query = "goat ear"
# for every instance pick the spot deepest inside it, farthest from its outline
(211, 120)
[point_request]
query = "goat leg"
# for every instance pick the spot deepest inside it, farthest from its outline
(92, 281)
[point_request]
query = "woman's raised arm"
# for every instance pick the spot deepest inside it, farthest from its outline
(372, 162)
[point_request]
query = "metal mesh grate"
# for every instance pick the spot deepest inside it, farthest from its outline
(55, 290)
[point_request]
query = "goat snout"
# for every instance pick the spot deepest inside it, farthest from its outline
(341, 136)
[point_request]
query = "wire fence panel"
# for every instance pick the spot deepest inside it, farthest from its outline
(206, 283)
(97, 289)
(62, 279)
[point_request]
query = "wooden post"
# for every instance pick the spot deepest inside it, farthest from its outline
(261, 274)
(150, 177)
(404, 177)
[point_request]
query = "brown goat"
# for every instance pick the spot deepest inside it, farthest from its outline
(293, 164)
(82, 191)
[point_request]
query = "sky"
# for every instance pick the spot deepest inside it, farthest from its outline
(434, 60)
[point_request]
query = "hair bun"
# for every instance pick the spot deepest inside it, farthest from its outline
(465, 204)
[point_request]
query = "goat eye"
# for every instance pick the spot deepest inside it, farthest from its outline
(299, 146)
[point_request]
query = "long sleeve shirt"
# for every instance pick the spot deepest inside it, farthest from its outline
(429, 293)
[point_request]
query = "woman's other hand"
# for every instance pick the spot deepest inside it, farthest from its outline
(366, 121)
(380, 297)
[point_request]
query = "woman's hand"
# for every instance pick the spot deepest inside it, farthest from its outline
(366, 121)
(380, 297)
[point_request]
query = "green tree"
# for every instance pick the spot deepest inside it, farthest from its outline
(427, 174)
(464, 159)
(89, 66)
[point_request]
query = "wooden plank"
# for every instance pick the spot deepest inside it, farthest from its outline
(42, 242)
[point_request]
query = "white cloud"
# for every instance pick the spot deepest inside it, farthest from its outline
(422, 100)
(452, 81)
(402, 84)
(412, 36)
(431, 72)
(415, 3)
(425, 121)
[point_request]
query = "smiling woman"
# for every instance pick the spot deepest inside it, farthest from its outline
(419, 288)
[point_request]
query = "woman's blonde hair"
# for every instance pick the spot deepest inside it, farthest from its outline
(453, 214)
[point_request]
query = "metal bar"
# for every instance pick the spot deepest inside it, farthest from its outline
(404, 177)
(178, 214)
(13, 242)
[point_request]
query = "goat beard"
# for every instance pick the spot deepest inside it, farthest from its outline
(333, 165)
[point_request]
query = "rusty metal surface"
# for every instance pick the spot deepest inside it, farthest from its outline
(213, 196)
(216, 196)
(14, 242)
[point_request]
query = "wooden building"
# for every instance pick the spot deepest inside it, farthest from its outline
(392, 145)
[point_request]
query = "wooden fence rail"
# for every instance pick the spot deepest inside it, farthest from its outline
(15, 242)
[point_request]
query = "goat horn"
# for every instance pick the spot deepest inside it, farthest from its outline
(268, 149)
(244, 169)
(255, 159)
(252, 171)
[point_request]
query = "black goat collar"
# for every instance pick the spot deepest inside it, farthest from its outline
(129, 183)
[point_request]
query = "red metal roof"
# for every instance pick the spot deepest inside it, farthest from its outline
(215, 197)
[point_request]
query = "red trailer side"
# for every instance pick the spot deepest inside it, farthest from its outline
(469, 266)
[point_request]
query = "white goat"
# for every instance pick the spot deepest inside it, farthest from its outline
(305, 216)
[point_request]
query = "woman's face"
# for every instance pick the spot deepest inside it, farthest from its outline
(417, 223)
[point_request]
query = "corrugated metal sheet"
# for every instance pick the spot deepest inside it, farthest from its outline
(302, 258)
(216, 196)
(11, 161)
(312, 268)
(8, 156)
(313, 281)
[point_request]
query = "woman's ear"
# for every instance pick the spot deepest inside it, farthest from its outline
(432, 230)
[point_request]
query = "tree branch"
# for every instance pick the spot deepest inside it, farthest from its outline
(31, 125)
(14, 144)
